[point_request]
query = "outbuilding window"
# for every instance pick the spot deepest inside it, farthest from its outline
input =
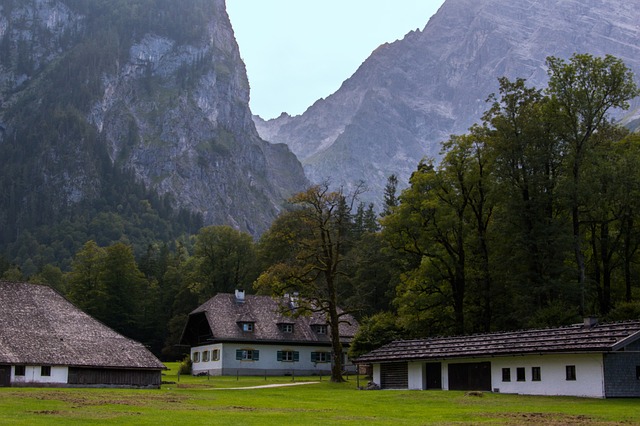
(205, 356)
(536, 375)
(45, 371)
(571, 372)
(506, 374)
(215, 355)
(520, 375)
(20, 370)
(196, 357)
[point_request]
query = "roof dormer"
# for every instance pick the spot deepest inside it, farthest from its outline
(246, 326)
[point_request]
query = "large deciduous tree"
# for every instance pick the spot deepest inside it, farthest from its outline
(582, 93)
(442, 224)
(84, 282)
(307, 249)
(509, 210)
(107, 284)
(527, 171)
(225, 260)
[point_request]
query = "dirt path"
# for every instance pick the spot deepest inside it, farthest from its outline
(276, 385)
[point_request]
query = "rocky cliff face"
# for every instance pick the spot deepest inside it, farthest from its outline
(156, 86)
(412, 94)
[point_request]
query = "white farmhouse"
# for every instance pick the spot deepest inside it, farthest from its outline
(590, 360)
(238, 334)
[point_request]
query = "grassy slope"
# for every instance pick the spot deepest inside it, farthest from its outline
(196, 401)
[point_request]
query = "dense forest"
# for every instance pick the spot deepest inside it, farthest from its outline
(59, 187)
(528, 220)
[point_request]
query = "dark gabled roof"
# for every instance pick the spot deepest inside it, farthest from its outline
(571, 339)
(40, 327)
(224, 314)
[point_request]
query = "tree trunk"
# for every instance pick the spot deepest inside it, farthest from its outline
(627, 258)
(605, 305)
(334, 324)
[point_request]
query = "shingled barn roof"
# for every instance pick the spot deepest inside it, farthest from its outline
(225, 313)
(570, 339)
(40, 327)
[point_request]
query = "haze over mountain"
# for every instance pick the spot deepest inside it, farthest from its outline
(116, 114)
(104, 103)
(409, 96)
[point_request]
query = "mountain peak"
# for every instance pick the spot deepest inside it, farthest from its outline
(411, 94)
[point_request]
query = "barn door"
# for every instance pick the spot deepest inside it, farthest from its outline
(5, 375)
(434, 375)
(394, 375)
(470, 376)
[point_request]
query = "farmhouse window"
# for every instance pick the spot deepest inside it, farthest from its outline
(205, 356)
(286, 328)
(506, 374)
(20, 370)
(247, 326)
(536, 374)
(320, 357)
(320, 328)
(288, 356)
(45, 371)
(215, 355)
(520, 376)
(196, 357)
(247, 355)
(571, 372)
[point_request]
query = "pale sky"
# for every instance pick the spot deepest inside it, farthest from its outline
(298, 51)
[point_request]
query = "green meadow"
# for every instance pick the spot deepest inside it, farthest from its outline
(202, 400)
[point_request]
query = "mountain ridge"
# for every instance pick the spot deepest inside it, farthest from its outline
(410, 95)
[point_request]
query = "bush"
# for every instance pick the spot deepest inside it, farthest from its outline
(185, 365)
(624, 311)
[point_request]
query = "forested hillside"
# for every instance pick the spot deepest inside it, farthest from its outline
(127, 120)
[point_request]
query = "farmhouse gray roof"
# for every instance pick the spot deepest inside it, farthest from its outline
(225, 314)
(570, 339)
(38, 326)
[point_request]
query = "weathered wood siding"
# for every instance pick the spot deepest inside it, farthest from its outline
(470, 376)
(109, 377)
(622, 373)
(5, 375)
(394, 375)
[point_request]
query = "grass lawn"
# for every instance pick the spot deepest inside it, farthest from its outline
(202, 400)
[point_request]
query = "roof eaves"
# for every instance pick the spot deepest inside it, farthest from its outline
(269, 341)
(626, 341)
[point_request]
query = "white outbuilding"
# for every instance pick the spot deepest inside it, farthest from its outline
(589, 359)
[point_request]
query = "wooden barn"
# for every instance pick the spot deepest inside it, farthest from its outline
(590, 360)
(46, 341)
